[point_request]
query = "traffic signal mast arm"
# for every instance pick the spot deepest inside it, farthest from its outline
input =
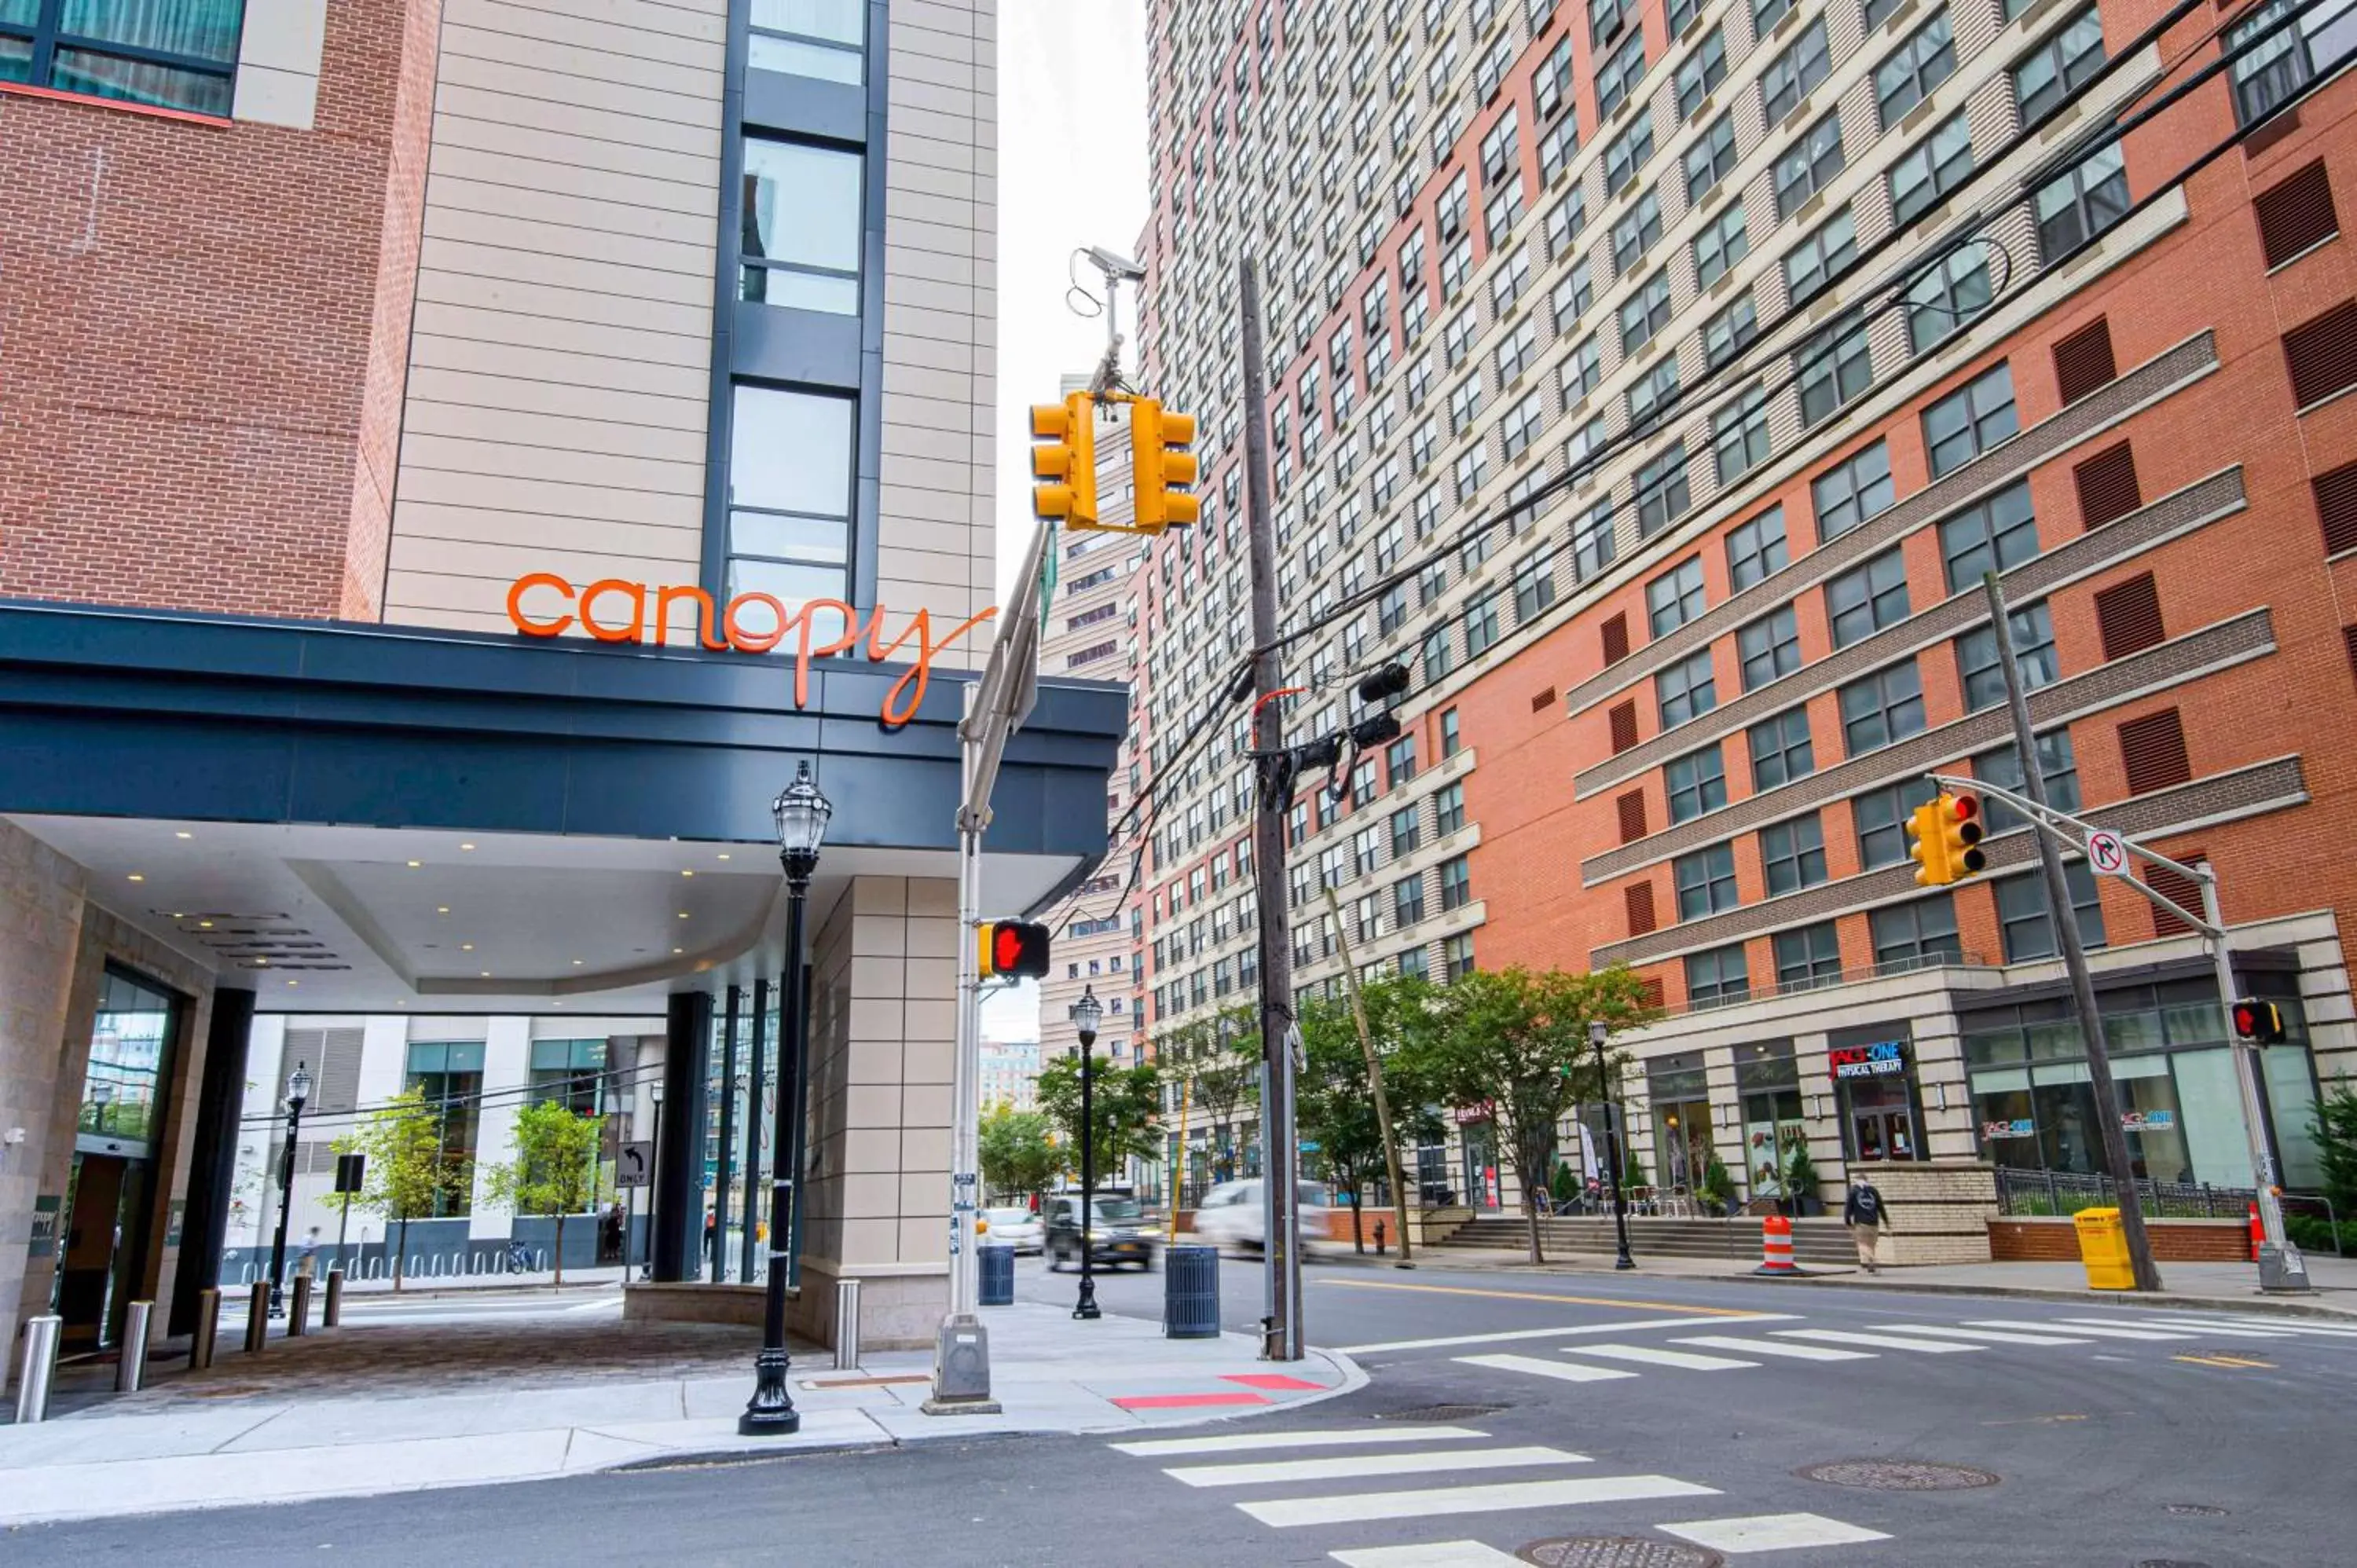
(2048, 821)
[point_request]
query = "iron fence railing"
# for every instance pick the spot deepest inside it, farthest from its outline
(2032, 1193)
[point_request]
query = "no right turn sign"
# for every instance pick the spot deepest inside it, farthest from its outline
(2107, 854)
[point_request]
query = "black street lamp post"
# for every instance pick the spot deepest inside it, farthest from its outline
(647, 1263)
(1596, 1037)
(1087, 1014)
(298, 1090)
(801, 813)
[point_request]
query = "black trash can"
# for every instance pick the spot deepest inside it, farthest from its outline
(997, 1285)
(1191, 1292)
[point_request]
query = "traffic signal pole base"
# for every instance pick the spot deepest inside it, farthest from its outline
(961, 1368)
(2282, 1271)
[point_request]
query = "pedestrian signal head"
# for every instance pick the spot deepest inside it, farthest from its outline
(2260, 1023)
(1067, 463)
(1012, 948)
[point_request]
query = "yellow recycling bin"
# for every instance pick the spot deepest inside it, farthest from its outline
(2104, 1249)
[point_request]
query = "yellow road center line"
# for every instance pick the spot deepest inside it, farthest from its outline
(2233, 1362)
(1542, 1295)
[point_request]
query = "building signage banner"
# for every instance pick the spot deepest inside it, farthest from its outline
(1877, 1060)
(2147, 1121)
(45, 1225)
(2019, 1127)
(613, 610)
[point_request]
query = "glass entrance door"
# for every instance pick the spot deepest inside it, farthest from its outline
(110, 1220)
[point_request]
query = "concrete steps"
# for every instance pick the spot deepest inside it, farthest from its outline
(1818, 1242)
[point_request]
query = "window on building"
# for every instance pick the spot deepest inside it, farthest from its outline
(449, 1078)
(1868, 597)
(1923, 932)
(180, 55)
(1533, 586)
(1676, 597)
(1696, 783)
(1663, 497)
(1706, 881)
(1947, 297)
(1685, 690)
(1407, 831)
(1711, 159)
(1634, 234)
(1738, 435)
(1399, 761)
(2058, 769)
(1456, 884)
(2289, 58)
(2033, 650)
(1851, 491)
(1909, 73)
(1882, 708)
(1809, 164)
(1480, 626)
(822, 38)
(1654, 391)
(1930, 168)
(1619, 75)
(1726, 333)
(1970, 420)
(1457, 957)
(1781, 751)
(1439, 657)
(2027, 928)
(1791, 74)
(1646, 312)
(1826, 255)
(1592, 541)
(1995, 535)
(1449, 742)
(2081, 203)
(1716, 977)
(803, 220)
(1769, 647)
(1704, 69)
(1807, 956)
(789, 495)
(1834, 366)
(2062, 59)
(1792, 854)
(1407, 900)
(1628, 153)
(1722, 242)
(1449, 809)
(1757, 550)
(570, 1073)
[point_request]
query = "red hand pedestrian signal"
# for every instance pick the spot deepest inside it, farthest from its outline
(1015, 949)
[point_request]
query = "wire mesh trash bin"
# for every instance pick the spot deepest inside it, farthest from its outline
(1191, 1292)
(998, 1287)
(2104, 1249)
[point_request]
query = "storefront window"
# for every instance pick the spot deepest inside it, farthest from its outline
(450, 1078)
(1768, 1085)
(1682, 1138)
(569, 1072)
(1873, 1071)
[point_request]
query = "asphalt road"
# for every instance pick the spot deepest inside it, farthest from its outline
(1587, 1406)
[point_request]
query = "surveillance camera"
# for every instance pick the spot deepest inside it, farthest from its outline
(1115, 262)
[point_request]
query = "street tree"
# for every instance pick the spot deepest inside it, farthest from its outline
(409, 1175)
(554, 1172)
(1515, 1043)
(1336, 1102)
(1017, 1159)
(1124, 1099)
(1217, 1061)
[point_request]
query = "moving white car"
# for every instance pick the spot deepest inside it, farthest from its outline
(1016, 1227)
(1231, 1214)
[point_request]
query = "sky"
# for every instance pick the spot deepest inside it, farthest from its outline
(1072, 174)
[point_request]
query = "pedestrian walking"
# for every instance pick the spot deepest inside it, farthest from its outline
(306, 1262)
(1863, 1213)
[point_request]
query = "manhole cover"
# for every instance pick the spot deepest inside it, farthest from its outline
(2198, 1510)
(1440, 1412)
(1616, 1551)
(1898, 1476)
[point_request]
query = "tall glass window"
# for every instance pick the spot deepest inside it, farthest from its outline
(825, 38)
(130, 1039)
(450, 1078)
(789, 494)
(803, 226)
(570, 1072)
(172, 54)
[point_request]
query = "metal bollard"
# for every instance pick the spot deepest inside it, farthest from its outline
(257, 1318)
(298, 1309)
(200, 1343)
(131, 1365)
(846, 1326)
(335, 1314)
(40, 1365)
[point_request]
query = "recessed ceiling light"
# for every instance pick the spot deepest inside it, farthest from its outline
(294, 983)
(679, 950)
(724, 854)
(177, 915)
(262, 963)
(415, 864)
(465, 846)
(204, 925)
(136, 877)
(687, 874)
(441, 908)
(487, 974)
(466, 947)
(577, 963)
(184, 835)
(400, 1004)
(682, 914)
(560, 1004)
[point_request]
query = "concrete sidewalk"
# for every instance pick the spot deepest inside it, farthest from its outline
(2208, 1285)
(186, 1451)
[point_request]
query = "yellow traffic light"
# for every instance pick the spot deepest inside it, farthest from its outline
(1069, 462)
(1159, 461)
(1946, 835)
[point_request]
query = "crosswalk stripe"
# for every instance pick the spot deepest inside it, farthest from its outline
(1504, 1335)
(2271, 1325)
(1352, 1466)
(1771, 1533)
(1776, 1347)
(1253, 1442)
(2232, 1331)
(1286, 1512)
(1566, 1371)
(1879, 1341)
(2102, 1331)
(1993, 1335)
(1653, 1357)
(1436, 1554)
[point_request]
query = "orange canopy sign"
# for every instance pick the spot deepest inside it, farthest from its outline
(613, 610)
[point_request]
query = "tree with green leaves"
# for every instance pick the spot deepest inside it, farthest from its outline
(1017, 1159)
(2335, 1131)
(1126, 1100)
(1335, 1104)
(1516, 1042)
(1217, 1059)
(409, 1174)
(554, 1171)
